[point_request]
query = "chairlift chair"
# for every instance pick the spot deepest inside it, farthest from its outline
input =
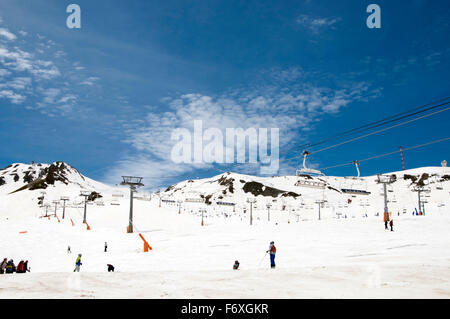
(306, 170)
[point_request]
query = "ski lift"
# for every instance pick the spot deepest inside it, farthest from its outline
(356, 163)
(306, 170)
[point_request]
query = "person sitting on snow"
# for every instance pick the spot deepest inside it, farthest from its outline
(10, 267)
(110, 268)
(20, 267)
(3, 266)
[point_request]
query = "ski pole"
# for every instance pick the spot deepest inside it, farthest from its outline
(262, 259)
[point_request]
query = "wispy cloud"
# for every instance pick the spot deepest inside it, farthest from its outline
(90, 81)
(35, 78)
(316, 24)
(7, 34)
(294, 110)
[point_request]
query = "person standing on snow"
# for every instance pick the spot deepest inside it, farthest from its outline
(236, 265)
(106, 246)
(68, 250)
(386, 224)
(273, 251)
(392, 225)
(78, 264)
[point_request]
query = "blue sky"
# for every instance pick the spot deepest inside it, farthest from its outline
(105, 98)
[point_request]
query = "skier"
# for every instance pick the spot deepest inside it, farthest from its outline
(3, 266)
(78, 264)
(386, 224)
(106, 246)
(20, 267)
(110, 268)
(392, 225)
(273, 251)
(236, 265)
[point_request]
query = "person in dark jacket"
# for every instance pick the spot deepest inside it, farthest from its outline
(25, 266)
(392, 225)
(20, 268)
(10, 267)
(106, 247)
(110, 268)
(3, 266)
(272, 250)
(386, 224)
(236, 265)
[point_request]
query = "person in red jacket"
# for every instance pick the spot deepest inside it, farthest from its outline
(273, 251)
(392, 225)
(19, 269)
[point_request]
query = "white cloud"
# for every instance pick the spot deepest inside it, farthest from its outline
(316, 24)
(19, 83)
(15, 98)
(294, 111)
(90, 81)
(7, 34)
(4, 73)
(36, 75)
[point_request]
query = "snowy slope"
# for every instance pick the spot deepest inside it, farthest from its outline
(335, 257)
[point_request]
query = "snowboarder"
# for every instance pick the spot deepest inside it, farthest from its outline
(3, 266)
(10, 267)
(106, 246)
(20, 267)
(236, 265)
(272, 250)
(386, 224)
(391, 224)
(110, 268)
(78, 264)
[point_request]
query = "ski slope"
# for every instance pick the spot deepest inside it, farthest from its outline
(335, 257)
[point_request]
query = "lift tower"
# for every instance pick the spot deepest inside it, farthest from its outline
(85, 194)
(64, 199)
(133, 182)
(385, 180)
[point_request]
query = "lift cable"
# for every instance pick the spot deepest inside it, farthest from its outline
(387, 120)
(387, 154)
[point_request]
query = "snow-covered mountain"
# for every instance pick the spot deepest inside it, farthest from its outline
(299, 195)
(26, 187)
(29, 187)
